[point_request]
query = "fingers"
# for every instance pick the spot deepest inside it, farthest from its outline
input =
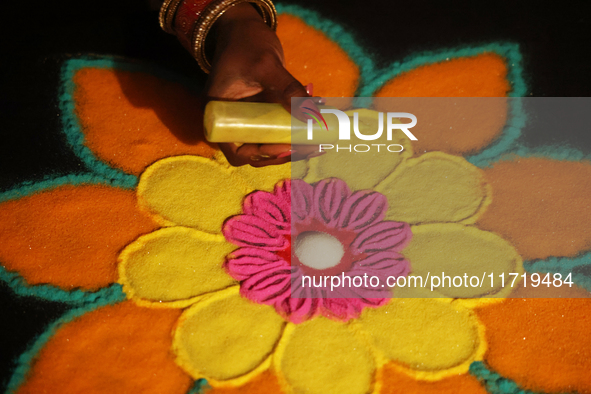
(260, 155)
(282, 87)
(255, 155)
(269, 81)
(230, 87)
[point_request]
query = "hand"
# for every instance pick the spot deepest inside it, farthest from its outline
(248, 65)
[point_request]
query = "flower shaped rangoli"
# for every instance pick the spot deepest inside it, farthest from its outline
(208, 255)
(356, 230)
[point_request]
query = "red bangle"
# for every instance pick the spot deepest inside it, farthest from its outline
(186, 19)
(191, 21)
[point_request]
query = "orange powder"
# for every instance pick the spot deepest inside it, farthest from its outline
(395, 382)
(134, 119)
(542, 344)
(310, 56)
(70, 236)
(541, 206)
(470, 126)
(120, 349)
(478, 76)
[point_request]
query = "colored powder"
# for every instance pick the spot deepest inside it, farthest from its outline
(265, 383)
(469, 126)
(120, 348)
(395, 382)
(70, 236)
(542, 344)
(132, 119)
(543, 291)
(541, 206)
(310, 56)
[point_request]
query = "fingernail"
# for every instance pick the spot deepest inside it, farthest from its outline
(285, 154)
(308, 105)
(310, 89)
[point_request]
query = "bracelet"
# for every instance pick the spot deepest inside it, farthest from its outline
(212, 14)
(167, 13)
(191, 21)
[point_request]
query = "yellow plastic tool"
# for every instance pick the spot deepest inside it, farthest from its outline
(262, 123)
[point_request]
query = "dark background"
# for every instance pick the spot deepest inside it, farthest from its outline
(37, 36)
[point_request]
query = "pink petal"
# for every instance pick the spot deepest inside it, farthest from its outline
(344, 309)
(283, 193)
(382, 236)
(341, 309)
(271, 208)
(299, 291)
(329, 198)
(362, 209)
(301, 200)
(245, 262)
(303, 302)
(382, 264)
(298, 310)
(362, 292)
(269, 286)
(248, 230)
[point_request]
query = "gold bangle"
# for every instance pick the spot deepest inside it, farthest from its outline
(212, 13)
(166, 15)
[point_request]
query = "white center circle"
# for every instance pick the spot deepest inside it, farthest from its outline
(318, 250)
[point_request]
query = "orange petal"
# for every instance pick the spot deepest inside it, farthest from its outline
(70, 236)
(115, 349)
(482, 75)
(542, 344)
(310, 56)
(468, 127)
(541, 206)
(265, 383)
(395, 382)
(132, 119)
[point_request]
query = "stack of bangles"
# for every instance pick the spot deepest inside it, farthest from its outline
(191, 21)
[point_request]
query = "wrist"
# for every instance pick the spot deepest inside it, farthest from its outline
(239, 13)
(193, 20)
(236, 20)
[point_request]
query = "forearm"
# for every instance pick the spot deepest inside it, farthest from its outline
(194, 21)
(244, 61)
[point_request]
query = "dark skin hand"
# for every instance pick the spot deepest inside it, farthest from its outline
(248, 65)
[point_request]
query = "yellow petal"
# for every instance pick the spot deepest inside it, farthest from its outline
(361, 170)
(226, 339)
(264, 178)
(466, 252)
(435, 187)
(322, 356)
(185, 190)
(172, 266)
(299, 169)
(429, 338)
